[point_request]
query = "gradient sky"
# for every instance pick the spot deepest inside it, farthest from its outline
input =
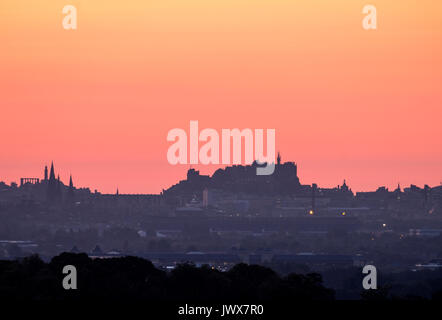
(99, 101)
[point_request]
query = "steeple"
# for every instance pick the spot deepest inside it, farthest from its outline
(52, 174)
(52, 185)
(70, 198)
(278, 160)
(46, 173)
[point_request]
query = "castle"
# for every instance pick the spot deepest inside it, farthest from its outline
(243, 179)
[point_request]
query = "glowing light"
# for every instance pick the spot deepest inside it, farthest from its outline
(384, 225)
(311, 212)
(344, 213)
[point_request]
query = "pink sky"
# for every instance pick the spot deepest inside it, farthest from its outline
(345, 102)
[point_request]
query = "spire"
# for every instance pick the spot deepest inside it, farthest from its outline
(52, 174)
(279, 158)
(344, 186)
(70, 198)
(46, 173)
(52, 185)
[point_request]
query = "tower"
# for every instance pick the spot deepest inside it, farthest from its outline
(52, 185)
(70, 195)
(46, 173)
(344, 186)
(278, 159)
(52, 174)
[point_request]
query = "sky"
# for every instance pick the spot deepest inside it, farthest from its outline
(346, 103)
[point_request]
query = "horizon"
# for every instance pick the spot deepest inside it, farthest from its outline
(345, 102)
(121, 192)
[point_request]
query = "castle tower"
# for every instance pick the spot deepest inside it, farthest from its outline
(344, 186)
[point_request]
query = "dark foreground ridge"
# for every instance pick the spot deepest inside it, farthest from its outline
(120, 287)
(137, 279)
(133, 278)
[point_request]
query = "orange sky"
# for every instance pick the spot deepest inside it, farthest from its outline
(99, 101)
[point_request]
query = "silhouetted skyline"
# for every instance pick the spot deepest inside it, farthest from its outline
(290, 167)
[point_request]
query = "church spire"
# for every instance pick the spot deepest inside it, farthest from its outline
(70, 198)
(52, 174)
(52, 185)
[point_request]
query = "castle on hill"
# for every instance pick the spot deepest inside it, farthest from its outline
(243, 179)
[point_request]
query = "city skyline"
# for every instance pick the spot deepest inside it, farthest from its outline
(45, 177)
(345, 102)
